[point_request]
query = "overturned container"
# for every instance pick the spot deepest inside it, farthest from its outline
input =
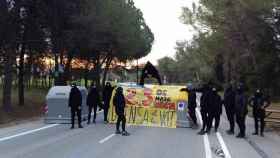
(57, 109)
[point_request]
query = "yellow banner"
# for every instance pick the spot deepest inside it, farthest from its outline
(155, 106)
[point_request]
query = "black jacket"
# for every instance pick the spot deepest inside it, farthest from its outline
(107, 94)
(191, 97)
(75, 98)
(215, 103)
(241, 108)
(204, 100)
(93, 98)
(229, 99)
(119, 102)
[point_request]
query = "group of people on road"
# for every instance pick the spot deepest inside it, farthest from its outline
(94, 101)
(235, 102)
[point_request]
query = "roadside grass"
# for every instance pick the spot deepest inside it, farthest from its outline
(34, 101)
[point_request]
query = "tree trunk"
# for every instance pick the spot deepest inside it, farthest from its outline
(8, 76)
(86, 73)
(108, 63)
(21, 77)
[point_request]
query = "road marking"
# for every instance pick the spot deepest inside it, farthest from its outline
(208, 153)
(32, 131)
(223, 144)
(27, 132)
(106, 138)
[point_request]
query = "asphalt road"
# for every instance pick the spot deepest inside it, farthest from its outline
(38, 140)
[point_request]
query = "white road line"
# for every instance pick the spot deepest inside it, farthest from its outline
(223, 144)
(32, 131)
(106, 138)
(27, 132)
(208, 153)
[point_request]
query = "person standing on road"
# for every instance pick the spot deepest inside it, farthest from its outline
(75, 103)
(241, 111)
(229, 100)
(259, 103)
(215, 109)
(107, 94)
(119, 102)
(204, 111)
(93, 101)
(191, 104)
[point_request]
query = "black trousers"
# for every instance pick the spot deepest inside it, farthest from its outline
(90, 111)
(121, 118)
(106, 109)
(259, 116)
(193, 115)
(204, 116)
(212, 117)
(240, 120)
(230, 117)
(75, 111)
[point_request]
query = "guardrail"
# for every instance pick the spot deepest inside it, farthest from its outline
(270, 117)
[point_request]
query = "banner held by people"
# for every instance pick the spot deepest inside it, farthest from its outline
(154, 106)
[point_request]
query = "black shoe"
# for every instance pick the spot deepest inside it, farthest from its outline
(125, 133)
(262, 135)
(118, 132)
(72, 127)
(230, 132)
(216, 130)
(93, 121)
(208, 131)
(202, 132)
(88, 122)
(80, 126)
(240, 136)
(255, 133)
(106, 122)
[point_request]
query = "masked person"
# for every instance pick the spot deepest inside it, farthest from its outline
(75, 103)
(215, 109)
(93, 100)
(204, 111)
(191, 104)
(107, 94)
(241, 111)
(259, 103)
(229, 100)
(119, 102)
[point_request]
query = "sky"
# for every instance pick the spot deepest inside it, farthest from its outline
(162, 16)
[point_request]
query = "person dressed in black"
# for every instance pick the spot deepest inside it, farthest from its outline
(75, 103)
(241, 111)
(259, 102)
(229, 100)
(107, 94)
(191, 104)
(204, 110)
(215, 109)
(119, 103)
(93, 100)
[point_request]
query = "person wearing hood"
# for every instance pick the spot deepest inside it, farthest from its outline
(107, 94)
(204, 110)
(119, 103)
(75, 103)
(215, 109)
(259, 103)
(93, 100)
(229, 100)
(241, 110)
(191, 104)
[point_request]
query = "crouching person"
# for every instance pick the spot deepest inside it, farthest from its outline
(119, 102)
